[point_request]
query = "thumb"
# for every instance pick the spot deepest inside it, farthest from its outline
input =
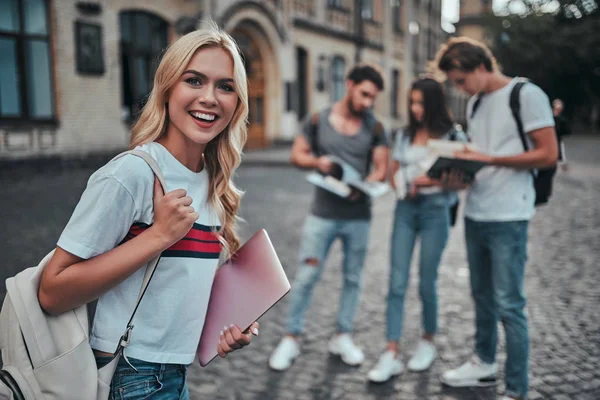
(158, 190)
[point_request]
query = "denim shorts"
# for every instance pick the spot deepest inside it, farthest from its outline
(151, 381)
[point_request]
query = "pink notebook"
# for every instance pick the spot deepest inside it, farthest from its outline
(245, 288)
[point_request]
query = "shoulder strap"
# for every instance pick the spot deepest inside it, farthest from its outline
(453, 134)
(314, 133)
(515, 108)
(124, 341)
(476, 104)
(376, 131)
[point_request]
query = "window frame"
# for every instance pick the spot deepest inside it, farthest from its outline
(395, 92)
(397, 16)
(335, 82)
(336, 4)
(367, 6)
(131, 50)
(20, 38)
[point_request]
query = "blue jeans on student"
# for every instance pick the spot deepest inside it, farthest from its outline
(318, 235)
(497, 253)
(151, 381)
(427, 216)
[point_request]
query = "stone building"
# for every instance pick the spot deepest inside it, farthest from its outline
(74, 73)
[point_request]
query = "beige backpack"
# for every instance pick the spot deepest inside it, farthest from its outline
(49, 357)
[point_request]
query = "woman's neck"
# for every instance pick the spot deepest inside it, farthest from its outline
(186, 152)
(422, 134)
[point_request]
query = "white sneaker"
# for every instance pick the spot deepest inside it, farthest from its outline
(284, 354)
(423, 357)
(343, 346)
(472, 373)
(388, 365)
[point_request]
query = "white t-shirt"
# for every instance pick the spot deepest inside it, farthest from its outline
(117, 205)
(412, 156)
(499, 193)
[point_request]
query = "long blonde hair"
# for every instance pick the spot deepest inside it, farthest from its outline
(222, 155)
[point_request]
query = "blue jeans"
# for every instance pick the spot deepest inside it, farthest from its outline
(155, 381)
(317, 237)
(430, 219)
(497, 253)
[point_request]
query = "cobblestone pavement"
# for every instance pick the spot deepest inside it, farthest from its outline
(562, 284)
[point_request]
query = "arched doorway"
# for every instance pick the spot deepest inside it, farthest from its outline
(255, 70)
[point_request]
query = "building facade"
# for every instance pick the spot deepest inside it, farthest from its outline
(472, 14)
(73, 74)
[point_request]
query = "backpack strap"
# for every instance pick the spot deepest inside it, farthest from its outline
(377, 130)
(515, 108)
(314, 127)
(126, 337)
(476, 104)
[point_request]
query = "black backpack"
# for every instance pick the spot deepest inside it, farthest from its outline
(542, 178)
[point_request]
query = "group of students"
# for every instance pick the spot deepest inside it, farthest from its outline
(194, 126)
(499, 205)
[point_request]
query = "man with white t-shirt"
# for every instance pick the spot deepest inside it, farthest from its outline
(499, 205)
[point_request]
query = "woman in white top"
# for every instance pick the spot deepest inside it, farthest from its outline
(194, 126)
(423, 209)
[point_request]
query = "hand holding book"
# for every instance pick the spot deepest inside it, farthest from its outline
(461, 158)
(343, 180)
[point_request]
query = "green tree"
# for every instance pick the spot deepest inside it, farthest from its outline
(559, 50)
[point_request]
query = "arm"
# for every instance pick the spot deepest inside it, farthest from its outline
(381, 156)
(69, 281)
(302, 156)
(543, 155)
(394, 168)
(426, 181)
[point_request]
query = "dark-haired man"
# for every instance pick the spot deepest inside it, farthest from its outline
(499, 205)
(348, 131)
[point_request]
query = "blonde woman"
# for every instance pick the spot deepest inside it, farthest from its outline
(194, 126)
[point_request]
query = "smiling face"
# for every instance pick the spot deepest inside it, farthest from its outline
(203, 100)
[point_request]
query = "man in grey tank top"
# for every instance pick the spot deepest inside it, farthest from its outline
(349, 131)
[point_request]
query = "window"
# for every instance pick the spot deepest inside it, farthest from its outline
(143, 38)
(26, 85)
(335, 3)
(302, 81)
(431, 17)
(395, 92)
(431, 44)
(366, 9)
(396, 15)
(337, 78)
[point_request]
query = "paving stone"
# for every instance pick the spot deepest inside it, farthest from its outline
(561, 285)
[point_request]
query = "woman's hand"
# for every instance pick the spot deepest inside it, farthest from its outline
(173, 214)
(413, 191)
(423, 181)
(232, 338)
(455, 180)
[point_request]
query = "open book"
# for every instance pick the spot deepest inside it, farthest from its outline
(442, 158)
(343, 178)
